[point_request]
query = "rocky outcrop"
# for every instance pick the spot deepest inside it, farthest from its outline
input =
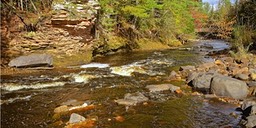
(229, 87)
(33, 60)
(70, 31)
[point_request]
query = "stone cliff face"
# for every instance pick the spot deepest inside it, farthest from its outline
(67, 33)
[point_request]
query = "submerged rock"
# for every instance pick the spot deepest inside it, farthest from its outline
(33, 60)
(61, 109)
(187, 68)
(126, 102)
(72, 102)
(162, 87)
(132, 99)
(229, 87)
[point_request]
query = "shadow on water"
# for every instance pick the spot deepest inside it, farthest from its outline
(29, 100)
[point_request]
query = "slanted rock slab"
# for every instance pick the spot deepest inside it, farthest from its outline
(33, 60)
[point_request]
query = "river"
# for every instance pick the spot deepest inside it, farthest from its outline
(29, 100)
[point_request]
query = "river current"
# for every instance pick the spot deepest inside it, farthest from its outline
(29, 100)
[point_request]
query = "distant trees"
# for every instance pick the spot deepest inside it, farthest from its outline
(234, 22)
(245, 29)
(158, 20)
(220, 21)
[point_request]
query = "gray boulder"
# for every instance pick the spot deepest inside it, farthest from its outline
(202, 81)
(33, 60)
(192, 76)
(229, 87)
(76, 118)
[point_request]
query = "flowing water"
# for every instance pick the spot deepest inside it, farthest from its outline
(29, 100)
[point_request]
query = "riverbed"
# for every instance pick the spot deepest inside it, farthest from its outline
(29, 100)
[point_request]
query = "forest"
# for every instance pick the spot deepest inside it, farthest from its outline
(171, 22)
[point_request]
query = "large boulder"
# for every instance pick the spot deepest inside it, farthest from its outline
(229, 87)
(202, 81)
(33, 60)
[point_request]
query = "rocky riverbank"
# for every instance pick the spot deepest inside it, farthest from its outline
(229, 79)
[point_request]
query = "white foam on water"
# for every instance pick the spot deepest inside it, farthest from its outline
(83, 78)
(127, 70)
(95, 65)
(15, 87)
(11, 100)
